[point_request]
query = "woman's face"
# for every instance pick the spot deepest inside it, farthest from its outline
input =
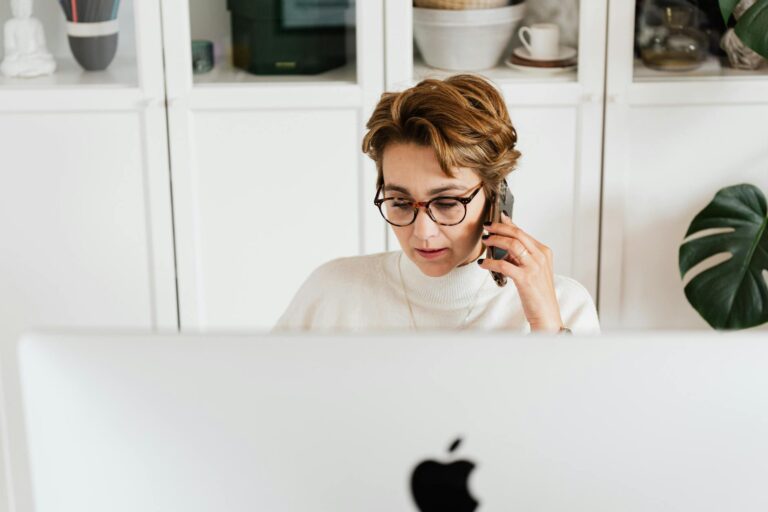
(416, 171)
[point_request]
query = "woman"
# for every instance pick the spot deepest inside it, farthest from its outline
(442, 148)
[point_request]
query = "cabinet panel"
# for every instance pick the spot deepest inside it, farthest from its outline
(276, 194)
(236, 137)
(81, 214)
(74, 225)
(675, 159)
(545, 182)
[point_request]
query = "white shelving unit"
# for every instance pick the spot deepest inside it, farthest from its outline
(85, 206)
(672, 140)
(616, 162)
(248, 148)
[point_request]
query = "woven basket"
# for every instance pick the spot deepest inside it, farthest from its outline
(460, 4)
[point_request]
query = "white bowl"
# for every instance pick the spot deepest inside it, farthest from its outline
(462, 16)
(460, 4)
(466, 40)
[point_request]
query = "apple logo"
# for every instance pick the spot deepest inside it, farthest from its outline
(438, 487)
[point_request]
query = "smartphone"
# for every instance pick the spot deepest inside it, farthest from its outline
(503, 202)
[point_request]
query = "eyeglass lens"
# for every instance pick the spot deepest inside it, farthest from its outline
(444, 211)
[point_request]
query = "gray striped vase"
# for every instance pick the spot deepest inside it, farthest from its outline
(93, 44)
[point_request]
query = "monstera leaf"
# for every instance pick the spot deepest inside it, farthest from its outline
(732, 294)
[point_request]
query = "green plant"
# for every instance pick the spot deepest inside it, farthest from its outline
(732, 294)
(752, 26)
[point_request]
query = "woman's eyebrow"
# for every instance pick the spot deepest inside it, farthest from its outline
(434, 191)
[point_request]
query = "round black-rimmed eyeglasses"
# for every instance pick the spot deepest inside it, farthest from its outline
(444, 210)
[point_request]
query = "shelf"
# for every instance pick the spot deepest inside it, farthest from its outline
(229, 88)
(518, 87)
(70, 88)
(120, 74)
(500, 74)
(212, 21)
(713, 84)
(713, 69)
(224, 74)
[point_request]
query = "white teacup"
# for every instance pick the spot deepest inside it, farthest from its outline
(544, 40)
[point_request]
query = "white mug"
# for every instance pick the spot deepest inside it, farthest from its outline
(544, 40)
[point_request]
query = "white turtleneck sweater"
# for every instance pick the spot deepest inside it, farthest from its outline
(365, 293)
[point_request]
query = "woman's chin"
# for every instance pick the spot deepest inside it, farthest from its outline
(434, 270)
(433, 267)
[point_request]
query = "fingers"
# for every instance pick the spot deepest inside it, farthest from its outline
(504, 267)
(513, 246)
(506, 228)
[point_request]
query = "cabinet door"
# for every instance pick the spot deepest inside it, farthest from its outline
(269, 180)
(85, 211)
(558, 118)
(672, 140)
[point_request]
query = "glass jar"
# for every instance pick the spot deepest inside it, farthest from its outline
(668, 37)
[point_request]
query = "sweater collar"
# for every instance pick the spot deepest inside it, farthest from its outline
(456, 289)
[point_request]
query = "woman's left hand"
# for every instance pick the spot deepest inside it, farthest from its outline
(529, 264)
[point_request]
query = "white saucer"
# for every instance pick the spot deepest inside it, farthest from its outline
(539, 70)
(566, 52)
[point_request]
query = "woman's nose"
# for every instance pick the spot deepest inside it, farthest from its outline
(424, 227)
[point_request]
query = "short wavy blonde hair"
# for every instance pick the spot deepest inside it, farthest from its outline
(464, 118)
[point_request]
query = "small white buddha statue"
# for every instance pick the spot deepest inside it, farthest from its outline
(25, 52)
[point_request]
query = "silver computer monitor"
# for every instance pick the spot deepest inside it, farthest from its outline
(340, 423)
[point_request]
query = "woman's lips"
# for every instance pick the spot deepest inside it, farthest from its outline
(431, 254)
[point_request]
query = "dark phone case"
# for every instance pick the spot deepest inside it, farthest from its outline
(505, 202)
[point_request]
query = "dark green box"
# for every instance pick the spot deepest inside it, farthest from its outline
(288, 37)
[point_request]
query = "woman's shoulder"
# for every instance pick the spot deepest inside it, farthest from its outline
(348, 268)
(570, 286)
(577, 306)
(334, 289)
(571, 293)
(351, 273)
